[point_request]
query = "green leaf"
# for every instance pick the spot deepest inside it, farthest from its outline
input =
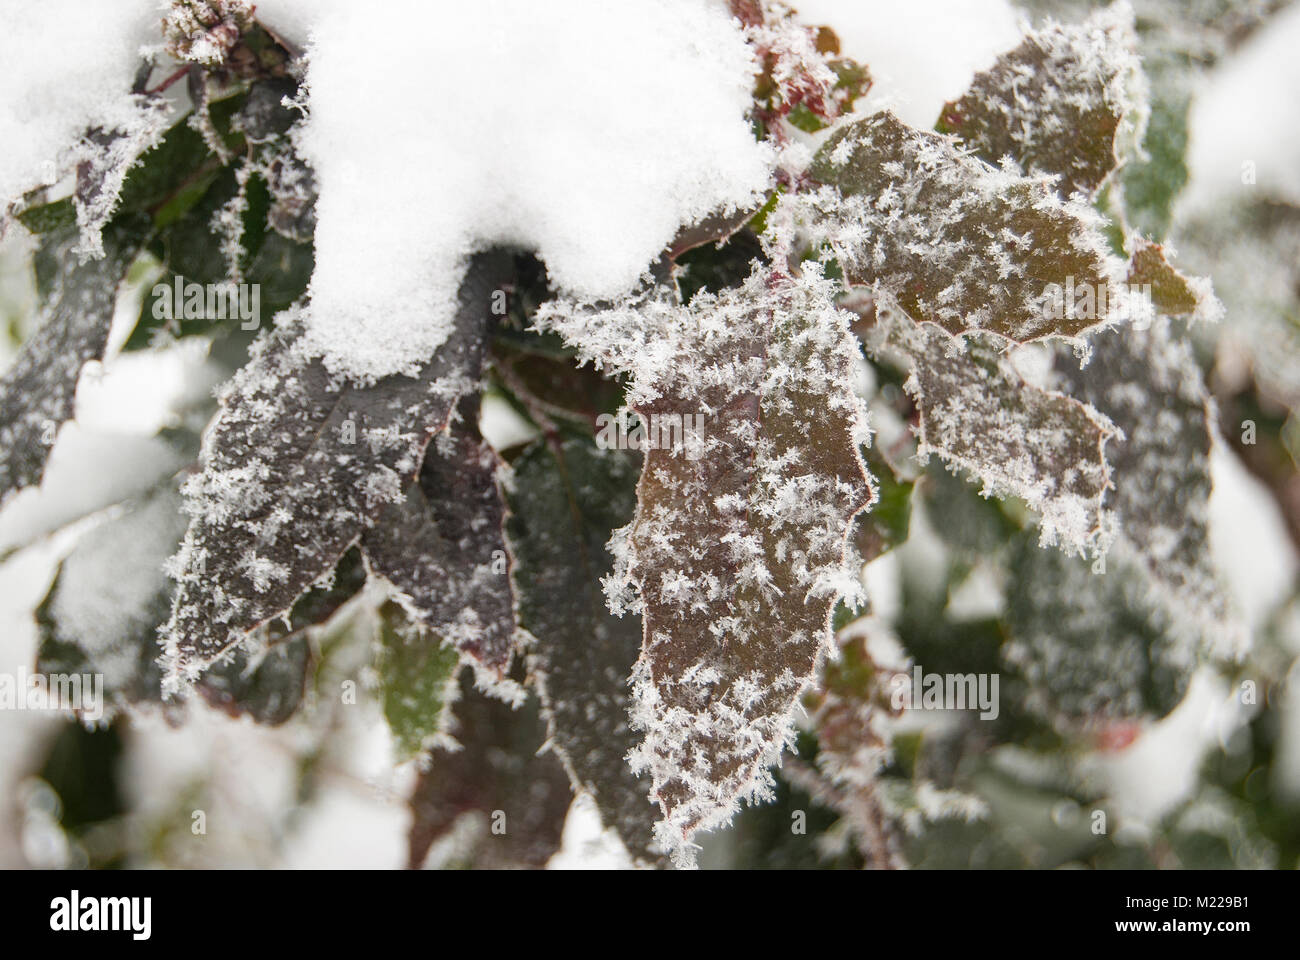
(417, 681)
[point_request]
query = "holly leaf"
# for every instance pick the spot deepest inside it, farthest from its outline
(443, 549)
(979, 414)
(743, 520)
(1172, 293)
(952, 240)
(1148, 382)
(1085, 649)
(417, 682)
(102, 614)
(1065, 102)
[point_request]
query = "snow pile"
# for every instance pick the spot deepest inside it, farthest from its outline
(589, 132)
(68, 67)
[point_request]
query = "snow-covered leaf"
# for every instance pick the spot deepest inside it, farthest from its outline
(1063, 102)
(952, 240)
(979, 414)
(1149, 384)
(443, 548)
(1087, 649)
(298, 464)
(1172, 294)
(743, 521)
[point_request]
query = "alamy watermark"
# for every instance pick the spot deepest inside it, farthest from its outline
(658, 431)
(82, 693)
(1097, 301)
(180, 300)
(75, 913)
(946, 691)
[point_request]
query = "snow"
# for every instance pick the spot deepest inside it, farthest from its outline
(1244, 113)
(442, 151)
(1248, 540)
(922, 53)
(68, 66)
(109, 580)
(1159, 770)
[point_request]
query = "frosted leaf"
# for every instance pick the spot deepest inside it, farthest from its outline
(37, 392)
(1069, 101)
(953, 240)
(1087, 649)
(491, 795)
(267, 684)
(443, 549)
(1149, 384)
(849, 710)
(978, 414)
(876, 837)
(803, 81)
(742, 522)
(111, 593)
(1254, 250)
(565, 500)
(298, 464)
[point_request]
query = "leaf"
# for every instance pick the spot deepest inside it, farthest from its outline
(497, 800)
(950, 239)
(37, 393)
(1086, 649)
(417, 681)
(1171, 293)
(1067, 101)
(298, 464)
(102, 613)
(1149, 384)
(565, 500)
(742, 523)
(979, 414)
(267, 685)
(443, 549)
